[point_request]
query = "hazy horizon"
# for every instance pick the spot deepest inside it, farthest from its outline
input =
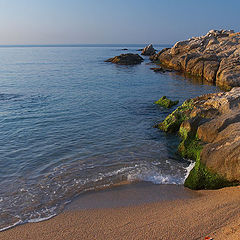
(73, 22)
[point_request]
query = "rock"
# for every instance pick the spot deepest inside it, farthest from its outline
(126, 59)
(124, 49)
(158, 69)
(214, 57)
(148, 50)
(166, 103)
(209, 126)
(140, 49)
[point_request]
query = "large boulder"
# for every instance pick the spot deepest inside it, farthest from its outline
(210, 129)
(126, 59)
(148, 50)
(214, 57)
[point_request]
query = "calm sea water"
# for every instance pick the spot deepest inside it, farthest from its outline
(71, 122)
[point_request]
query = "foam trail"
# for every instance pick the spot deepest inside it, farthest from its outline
(11, 226)
(40, 219)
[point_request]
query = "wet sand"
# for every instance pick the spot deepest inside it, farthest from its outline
(142, 212)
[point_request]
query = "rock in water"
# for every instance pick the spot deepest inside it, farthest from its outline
(214, 57)
(126, 59)
(166, 103)
(210, 129)
(158, 69)
(148, 50)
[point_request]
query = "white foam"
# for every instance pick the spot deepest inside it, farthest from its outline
(34, 220)
(155, 177)
(189, 168)
(10, 226)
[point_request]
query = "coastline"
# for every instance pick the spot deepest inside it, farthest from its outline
(122, 214)
(194, 216)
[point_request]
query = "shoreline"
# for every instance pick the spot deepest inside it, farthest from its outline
(194, 216)
(136, 211)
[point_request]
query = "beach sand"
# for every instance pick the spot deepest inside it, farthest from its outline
(193, 215)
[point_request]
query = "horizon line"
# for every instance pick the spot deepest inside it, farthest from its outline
(81, 44)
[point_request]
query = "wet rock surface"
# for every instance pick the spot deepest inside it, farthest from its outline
(166, 102)
(214, 57)
(209, 126)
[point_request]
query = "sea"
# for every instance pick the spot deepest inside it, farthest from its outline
(71, 123)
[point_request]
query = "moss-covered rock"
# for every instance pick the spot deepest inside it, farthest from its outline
(173, 121)
(166, 103)
(201, 177)
(186, 120)
(190, 148)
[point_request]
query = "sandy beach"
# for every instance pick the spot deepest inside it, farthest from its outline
(195, 215)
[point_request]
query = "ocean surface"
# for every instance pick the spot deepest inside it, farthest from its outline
(71, 122)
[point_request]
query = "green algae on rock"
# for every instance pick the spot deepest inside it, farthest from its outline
(173, 121)
(200, 176)
(166, 103)
(209, 127)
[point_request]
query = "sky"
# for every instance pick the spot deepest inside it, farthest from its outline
(113, 21)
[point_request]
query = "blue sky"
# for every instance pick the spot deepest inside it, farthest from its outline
(113, 21)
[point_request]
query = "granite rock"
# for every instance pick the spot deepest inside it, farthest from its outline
(126, 59)
(148, 50)
(214, 57)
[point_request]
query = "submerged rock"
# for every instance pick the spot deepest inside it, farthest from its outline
(126, 59)
(158, 69)
(209, 126)
(214, 57)
(166, 103)
(148, 50)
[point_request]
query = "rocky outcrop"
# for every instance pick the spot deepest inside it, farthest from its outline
(126, 59)
(148, 50)
(166, 102)
(214, 57)
(209, 126)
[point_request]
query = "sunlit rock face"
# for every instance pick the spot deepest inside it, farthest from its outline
(148, 50)
(214, 57)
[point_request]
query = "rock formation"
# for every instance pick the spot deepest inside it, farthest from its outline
(148, 50)
(166, 102)
(214, 57)
(126, 59)
(209, 126)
